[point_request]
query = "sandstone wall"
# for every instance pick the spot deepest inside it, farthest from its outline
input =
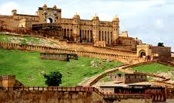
(34, 96)
(164, 53)
(9, 22)
(64, 95)
(134, 101)
(130, 42)
(94, 54)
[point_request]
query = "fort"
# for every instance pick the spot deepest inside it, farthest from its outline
(93, 33)
(74, 29)
(91, 38)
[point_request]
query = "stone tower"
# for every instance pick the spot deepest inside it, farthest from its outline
(96, 23)
(76, 27)
(115, 31)
(14, 12)
(49, 15)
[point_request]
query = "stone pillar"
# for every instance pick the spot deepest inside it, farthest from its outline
(96, 25)
(106, 37)
(89, 33)
(76, 27)
(85, 34)
(115, 30)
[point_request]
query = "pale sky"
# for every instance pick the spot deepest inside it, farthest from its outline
(149, 20)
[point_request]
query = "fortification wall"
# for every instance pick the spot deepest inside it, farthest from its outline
(9, 22)
(164, 53)
(50, 95)
(94, 54)
(65, 95)
(130, 42)
(121, 50)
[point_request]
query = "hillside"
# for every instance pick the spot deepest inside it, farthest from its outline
(29, 68)
(16, 38)
(156, 68)
(153, 68)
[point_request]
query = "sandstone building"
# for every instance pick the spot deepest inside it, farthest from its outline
(48, 22)
(99, 33)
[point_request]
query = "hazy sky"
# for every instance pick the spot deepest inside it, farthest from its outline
(149, 20)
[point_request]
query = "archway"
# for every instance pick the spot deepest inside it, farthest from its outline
(142, 54)
(49, 20)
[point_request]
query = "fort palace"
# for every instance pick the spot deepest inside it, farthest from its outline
(100, 33)
(48, 22)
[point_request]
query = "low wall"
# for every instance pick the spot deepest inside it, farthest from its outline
(58, 56)
(134, 101)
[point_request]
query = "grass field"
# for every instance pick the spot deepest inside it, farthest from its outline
(153, 68)
(29, 68)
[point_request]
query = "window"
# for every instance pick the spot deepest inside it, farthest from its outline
(142, 76)
(128, 77)
(119, 75)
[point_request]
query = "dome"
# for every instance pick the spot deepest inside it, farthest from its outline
(115, 18)
(44, 5)
(95, 17)
(55, 7)
(76, 16)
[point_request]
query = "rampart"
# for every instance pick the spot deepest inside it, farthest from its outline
(65, 95)
(95, 54)
(123, 50)
(164, 53)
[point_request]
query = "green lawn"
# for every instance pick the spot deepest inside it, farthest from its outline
(29, 68)
(153, 68)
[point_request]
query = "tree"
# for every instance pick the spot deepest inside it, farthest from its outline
(161, 44)
(53, 79)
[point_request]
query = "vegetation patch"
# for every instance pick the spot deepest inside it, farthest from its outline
(153, 68)
(25, 40)
(29, 68)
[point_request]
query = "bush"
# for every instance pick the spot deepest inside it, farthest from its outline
(161, 44)
(53, 79)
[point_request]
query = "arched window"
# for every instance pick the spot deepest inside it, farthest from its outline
(49, 20)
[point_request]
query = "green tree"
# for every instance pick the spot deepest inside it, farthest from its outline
(161, 44)
(53, 79)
